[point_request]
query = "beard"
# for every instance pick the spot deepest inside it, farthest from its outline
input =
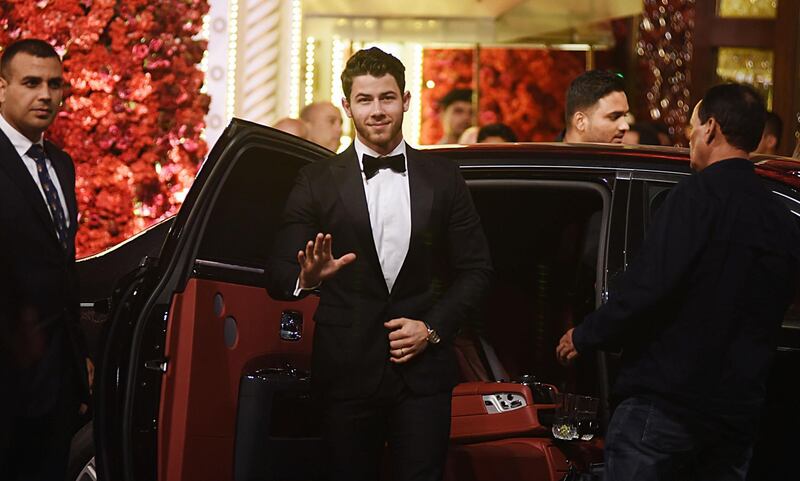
(384, 137)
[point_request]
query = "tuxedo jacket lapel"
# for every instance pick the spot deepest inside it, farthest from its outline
(15, 168)
(421, 196)
(347, 175)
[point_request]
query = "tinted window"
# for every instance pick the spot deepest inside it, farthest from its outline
(248, 208)
(649, 195)
(655, 192)
(544, 242)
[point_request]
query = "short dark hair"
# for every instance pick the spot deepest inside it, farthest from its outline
(497, 130)
(773, 125)
(31, 46)
(375, 62)
(588, 88)
(455, 95)
(648, 135)
(739, 111)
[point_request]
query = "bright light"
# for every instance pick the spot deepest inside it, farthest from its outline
(337, 67)
(344, 143)
(205, 32)
(310, 61)
(233, 39)
(294, 75)
(415, 87)
(339, 47)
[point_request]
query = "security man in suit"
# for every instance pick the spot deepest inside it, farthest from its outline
(44, 371)
(391, 239)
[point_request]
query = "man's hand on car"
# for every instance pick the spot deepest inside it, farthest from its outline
(317, 263)
(565, 351)
(407, 339)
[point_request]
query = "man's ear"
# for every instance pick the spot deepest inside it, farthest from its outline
(579, 121)
(346, 107)
(3, 87)
(711, 130)
(406, 100)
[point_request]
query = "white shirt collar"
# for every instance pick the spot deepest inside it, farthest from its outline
(19, 141)
(362, 149)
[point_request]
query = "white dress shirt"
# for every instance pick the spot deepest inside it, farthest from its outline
(389, 205)
(22, 144)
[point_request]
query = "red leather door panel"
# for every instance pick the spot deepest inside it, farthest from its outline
(200, 389)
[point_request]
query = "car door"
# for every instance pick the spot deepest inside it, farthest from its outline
(542, 223)
(773, 454)
(195, 342)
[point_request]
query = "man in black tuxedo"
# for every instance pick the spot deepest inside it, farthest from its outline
(391, 239)
(43, 363)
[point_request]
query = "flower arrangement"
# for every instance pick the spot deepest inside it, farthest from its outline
(526, 89)
(443, 70)
(133, 114)
(522, 88)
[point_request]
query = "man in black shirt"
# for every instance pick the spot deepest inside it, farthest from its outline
(698, 312)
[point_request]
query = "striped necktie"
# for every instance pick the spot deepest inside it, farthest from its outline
(36, 152)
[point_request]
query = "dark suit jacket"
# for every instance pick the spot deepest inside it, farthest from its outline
(39, 331)
(445, 275)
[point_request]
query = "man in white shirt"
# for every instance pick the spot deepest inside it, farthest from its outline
(43, 362)
(390, 238)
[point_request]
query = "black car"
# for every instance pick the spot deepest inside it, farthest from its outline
(202, 376)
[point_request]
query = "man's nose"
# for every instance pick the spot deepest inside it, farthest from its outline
(45, 92)
(377, 109)
(624, 126)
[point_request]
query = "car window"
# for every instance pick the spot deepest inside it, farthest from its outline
(248, 208)
(792, 317)
(544, 240)
(654, 194)
(649, 196)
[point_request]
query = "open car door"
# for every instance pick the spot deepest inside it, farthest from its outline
(201, 365)
(501, 417)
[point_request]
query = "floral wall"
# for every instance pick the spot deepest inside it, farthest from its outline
(523, 88)
(133, 113)
(442, 71)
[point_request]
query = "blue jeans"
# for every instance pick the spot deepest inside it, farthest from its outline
(648, 442)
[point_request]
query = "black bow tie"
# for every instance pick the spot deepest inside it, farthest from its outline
(373, 164)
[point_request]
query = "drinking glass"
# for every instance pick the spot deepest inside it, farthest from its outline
(585, 416)
(563, 421)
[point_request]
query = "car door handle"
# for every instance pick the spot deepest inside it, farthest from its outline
(159, 364)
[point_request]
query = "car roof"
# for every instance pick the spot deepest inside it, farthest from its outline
(782, 169)
(598, 154)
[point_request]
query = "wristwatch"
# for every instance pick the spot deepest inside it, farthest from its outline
(433, 337)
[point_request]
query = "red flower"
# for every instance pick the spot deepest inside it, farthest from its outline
(130, 64)
(523, 88)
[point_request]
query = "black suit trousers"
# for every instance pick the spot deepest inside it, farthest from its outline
(416, 429)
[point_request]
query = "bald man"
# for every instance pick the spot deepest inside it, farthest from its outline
(324, 124)
(296, 127)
